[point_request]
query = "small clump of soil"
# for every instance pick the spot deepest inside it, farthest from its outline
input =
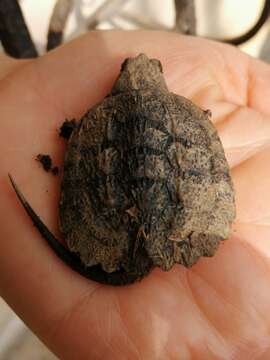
(67, 128)
(46, 162)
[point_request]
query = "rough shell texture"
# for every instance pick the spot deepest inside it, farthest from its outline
(146, 182)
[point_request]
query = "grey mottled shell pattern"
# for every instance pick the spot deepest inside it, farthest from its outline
(146, 182)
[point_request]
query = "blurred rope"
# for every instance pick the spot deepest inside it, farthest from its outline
(185, 17)
(255, 29)
(14, 34)
(17, 41)
(58, 21)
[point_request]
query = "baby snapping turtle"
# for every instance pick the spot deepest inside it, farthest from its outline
(145, 182)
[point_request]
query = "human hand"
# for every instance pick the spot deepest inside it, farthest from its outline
(218, 309)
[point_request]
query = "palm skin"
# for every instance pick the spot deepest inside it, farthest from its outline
(218, 309)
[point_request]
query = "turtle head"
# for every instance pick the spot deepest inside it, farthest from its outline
(139, 73)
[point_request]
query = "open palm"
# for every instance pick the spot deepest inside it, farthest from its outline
(218, 309)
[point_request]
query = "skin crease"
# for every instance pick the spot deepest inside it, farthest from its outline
(218, 309)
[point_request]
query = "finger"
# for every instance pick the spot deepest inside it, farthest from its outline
(235, 305)
(210, 72)
(81, 76)
(258, 86)
(252, 181)
(244, 80)
(245, 133)
(257, 235)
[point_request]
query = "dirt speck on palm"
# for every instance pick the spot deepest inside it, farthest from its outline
(45, 161)
(67, 128)
(47, 164)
